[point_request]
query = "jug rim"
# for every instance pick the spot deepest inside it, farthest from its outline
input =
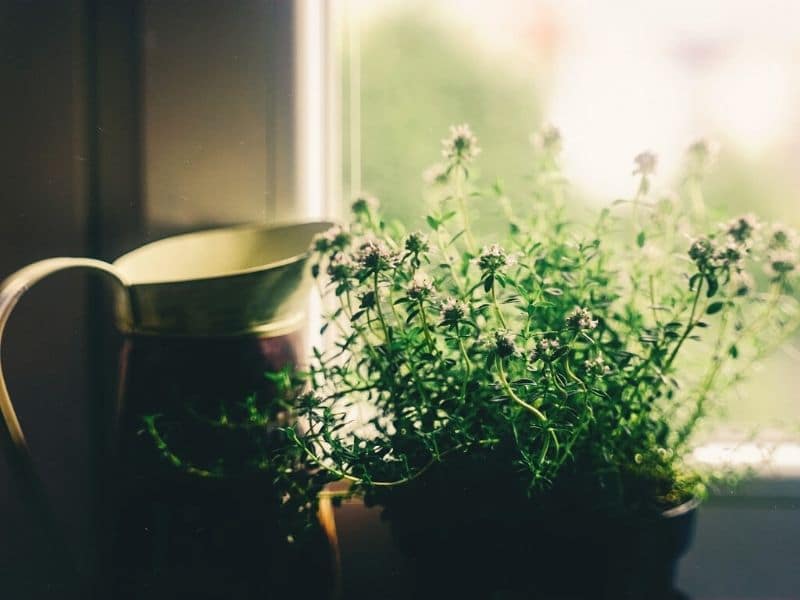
(119, 263)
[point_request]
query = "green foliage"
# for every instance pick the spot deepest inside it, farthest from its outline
(553, 349)
(241, 440)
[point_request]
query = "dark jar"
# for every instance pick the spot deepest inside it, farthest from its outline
(196, 509)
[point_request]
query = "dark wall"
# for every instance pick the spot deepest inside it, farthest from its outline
(123, 121)
(205, 94)
(44, 204)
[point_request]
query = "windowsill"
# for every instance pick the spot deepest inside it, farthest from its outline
(770, 472)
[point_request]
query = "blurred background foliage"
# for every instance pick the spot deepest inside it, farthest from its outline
(417, 79)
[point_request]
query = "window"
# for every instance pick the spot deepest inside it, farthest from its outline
(616, 78)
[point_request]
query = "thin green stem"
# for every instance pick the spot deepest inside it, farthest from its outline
(378, 308)
(426, 328)
(467, 366)
(501, 375)
(554, 380)
(698, 205)
(653, 300)
(462, 205)
(689, 327)
(409, 360)
(359, 480)
(496, 306)
(460, 285)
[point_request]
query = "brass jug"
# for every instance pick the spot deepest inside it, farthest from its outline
(204, 316)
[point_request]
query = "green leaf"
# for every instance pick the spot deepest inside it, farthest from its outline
(713, 286)
(368, 300)
(733, 351)
(433, 223)
(640, 239)
(455, 237)
(715, 307)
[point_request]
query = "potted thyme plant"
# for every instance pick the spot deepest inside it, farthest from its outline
(530, 396)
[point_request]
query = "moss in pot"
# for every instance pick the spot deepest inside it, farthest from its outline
(532, 396)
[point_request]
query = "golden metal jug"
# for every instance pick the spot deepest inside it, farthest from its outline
(216, 296)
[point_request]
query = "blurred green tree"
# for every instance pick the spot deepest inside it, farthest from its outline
(417, 79)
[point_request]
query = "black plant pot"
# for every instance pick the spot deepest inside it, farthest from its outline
(478, 542)
(552, 557)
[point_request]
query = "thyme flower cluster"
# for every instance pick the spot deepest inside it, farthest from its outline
(554, 346)
(461, 146)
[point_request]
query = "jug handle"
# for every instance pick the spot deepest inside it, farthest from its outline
(15, 445)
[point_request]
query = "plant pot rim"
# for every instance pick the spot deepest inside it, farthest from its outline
(339, 489)
(681, 509)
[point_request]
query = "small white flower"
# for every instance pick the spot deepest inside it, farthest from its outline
(742, 282)
(334, 238)
(597, 366)
(461, 146)
(782, 238)
(342, 267)
(544, 349)
(493, 258)
(416, 242)
(504, 343)
(702, 251)
(581, 319)
(549, 344)
(436, 174)
(365, 204)
(547, 139)
(453, 310)
(374, 256)
(646, 163)
(420, 287)
(731, 254)
(781, 262)
(702, 155)
(741, 229)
